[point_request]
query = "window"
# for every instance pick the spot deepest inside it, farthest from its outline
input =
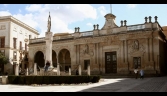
(14, 42)
(2, 42)
(137, 62)
(20, 45)
(29, 36)
(25, 46)
(86, 63)
(114, 58)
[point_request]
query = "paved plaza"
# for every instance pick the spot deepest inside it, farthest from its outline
(149, 84)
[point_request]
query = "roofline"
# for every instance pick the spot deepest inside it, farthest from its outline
(19, 22)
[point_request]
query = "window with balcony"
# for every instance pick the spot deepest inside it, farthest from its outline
(20, 45)
(14, 42)
(25, 46)
(29, 36)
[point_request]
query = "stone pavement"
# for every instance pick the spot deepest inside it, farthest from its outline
(149, 84)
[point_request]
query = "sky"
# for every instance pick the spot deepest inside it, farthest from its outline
(65, 17)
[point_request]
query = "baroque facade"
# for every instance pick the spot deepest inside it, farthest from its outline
(110, 50)
(14, 39)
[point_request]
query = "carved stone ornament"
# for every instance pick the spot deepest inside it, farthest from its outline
(88, 51)
(135, 48)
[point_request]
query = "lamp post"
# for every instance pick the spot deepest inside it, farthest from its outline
(25, 53)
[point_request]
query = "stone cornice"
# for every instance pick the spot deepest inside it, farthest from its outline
(14, 20)
(100, 39)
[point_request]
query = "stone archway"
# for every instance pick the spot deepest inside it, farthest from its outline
(39, 59)
(54, 58)
(64, 60)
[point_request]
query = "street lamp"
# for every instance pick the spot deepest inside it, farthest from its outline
(25, 53)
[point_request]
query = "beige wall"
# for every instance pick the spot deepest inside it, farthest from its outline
(149, 47)
(93, 44)
(13, 30)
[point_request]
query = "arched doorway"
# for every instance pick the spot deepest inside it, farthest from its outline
(54, 58)
(64, 60)
(39, 59)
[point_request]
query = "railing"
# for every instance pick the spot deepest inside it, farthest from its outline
(37, 40)
(135, 27)
(89, 33)
(63, 37)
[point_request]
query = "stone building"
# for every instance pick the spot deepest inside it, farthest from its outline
(165, 30)
(112, 49)
(14, 38)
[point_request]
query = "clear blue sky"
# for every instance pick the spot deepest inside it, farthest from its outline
(65, 17)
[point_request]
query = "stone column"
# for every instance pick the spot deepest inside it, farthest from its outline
(49, 39)
(69, 70)
(76, 54)
(23, 64)
(27, 71)
(122, 49)
(97, 48)
(95, 53)
(35, 68)
(126, 52)
(80, 72)
(58, 65)
(58, 69)
(101, 58)
(88, 69)
(17, 70)
(147, 39)
(151, 50)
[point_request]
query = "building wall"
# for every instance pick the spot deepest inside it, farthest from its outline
(129, 42)
(14, 30)
(123, 44)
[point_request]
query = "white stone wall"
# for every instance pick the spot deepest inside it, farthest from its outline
(5, 32)
(13, 30)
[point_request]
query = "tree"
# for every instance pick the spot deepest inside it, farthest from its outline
(3, 59)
